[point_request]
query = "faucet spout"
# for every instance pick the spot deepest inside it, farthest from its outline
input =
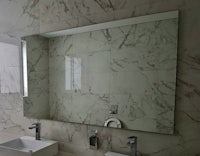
(37, 127)
(32, 127)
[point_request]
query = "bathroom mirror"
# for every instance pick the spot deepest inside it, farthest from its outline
(123, 69)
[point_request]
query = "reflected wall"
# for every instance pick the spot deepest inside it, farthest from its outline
(36, 104)
(131, 68)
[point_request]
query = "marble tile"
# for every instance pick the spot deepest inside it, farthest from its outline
(78, 13)
(37, 53)
(21, 21)
(38, 77)
(184, 142)
(32, 106)
(9, 68)
(60, 46)
(38, 87)
(98, 62)
(10, 80)
(11, 52)
(90, 42)
(99, 83)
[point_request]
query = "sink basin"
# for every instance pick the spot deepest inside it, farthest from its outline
(28, 146)
(114, 154)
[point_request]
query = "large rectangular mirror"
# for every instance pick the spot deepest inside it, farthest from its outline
(122, 69)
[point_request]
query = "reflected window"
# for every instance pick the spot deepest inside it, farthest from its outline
(72, 73)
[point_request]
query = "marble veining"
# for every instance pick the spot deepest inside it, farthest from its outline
(73, 138)
(132, 66)
(9, 68)
(36, 104)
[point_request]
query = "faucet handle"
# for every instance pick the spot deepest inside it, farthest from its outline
(132, 140)
(37, 124)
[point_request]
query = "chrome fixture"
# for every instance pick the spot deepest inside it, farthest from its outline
(113, 109)
(132, 141)
(37, 127)
(94, 140)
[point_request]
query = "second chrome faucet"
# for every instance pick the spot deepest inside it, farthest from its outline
(132, 141)
(37, 127)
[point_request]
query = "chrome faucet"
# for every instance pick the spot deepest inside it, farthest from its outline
(132, 141)
(37, 127)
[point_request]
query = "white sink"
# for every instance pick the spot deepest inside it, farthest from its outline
(28, 146)
(114, 154)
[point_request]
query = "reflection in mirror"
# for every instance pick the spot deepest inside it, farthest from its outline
(72, 73)
(120, 71)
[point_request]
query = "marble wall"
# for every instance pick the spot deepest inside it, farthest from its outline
(24, 17)
(9, 68)
(37, 102)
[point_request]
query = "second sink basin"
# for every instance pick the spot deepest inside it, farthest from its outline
(28, 146)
